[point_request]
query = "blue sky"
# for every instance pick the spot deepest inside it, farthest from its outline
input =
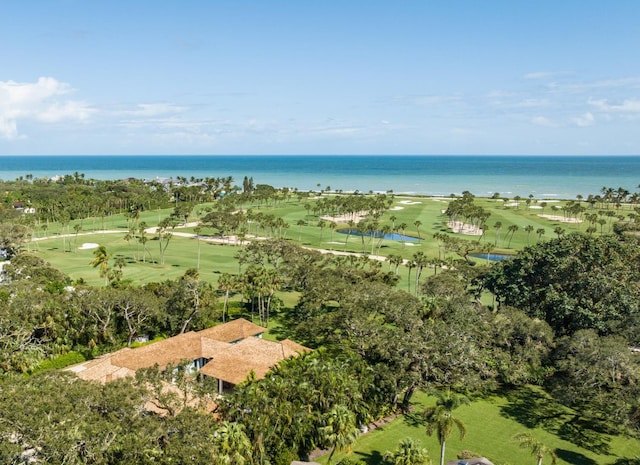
(319, 77)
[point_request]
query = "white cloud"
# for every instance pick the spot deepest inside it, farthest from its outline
(155, 109)
(627, 106)
(8, 129)
(632, 82)
(70, 110)
(428, 100)
(543, 121)
(585, 120)
(45, 101)
(532, 103)
(544, 74)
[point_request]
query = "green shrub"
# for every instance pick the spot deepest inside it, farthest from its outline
(61, 361)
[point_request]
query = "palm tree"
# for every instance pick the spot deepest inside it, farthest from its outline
(528, 229)
(340, 431)
(77, 228)
(417, 224)
(131, 234)
(321, 224)
(332, 225)
(395, 260)
(420, 261)
(197, 230)
(497, 226)
(102, 262)
(232, 445)
(439, 418)
(410, 264)
(512, 229)
(403, 228)
(527, 441)
(409, 452)
(300, 223)
(540, 232)
(226, 283)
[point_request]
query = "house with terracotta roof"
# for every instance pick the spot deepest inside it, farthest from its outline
(229, 352)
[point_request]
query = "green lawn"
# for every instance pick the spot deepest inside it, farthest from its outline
(490, 423)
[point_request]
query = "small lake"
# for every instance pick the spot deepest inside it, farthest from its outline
(379, 234)
(492, 257)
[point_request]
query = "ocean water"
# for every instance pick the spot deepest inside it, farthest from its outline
(562, 177)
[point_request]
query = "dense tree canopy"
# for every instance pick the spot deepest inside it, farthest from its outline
(574, 282)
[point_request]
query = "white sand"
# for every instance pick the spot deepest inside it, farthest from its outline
(345, 218)
(462, 228)
(88, 245)
(537, 207)
(409, 202)
(397, 208)
(561, 219)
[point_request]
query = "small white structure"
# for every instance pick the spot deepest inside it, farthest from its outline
(2, 265)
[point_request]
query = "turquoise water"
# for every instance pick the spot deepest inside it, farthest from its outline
(493, 257)
(540, 176)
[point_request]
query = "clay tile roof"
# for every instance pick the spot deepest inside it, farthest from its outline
(211, 347)
(234, 364)
(101, 369)
(230, 362)
(232, 331)
(292, 349)
(173, 350)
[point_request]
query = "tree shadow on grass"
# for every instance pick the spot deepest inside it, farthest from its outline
(575, 458)
(627, 461)
(373, 458)
(584, 434)
(533, 408)
(415, 419)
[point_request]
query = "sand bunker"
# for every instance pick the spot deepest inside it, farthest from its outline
(561, 219)
(89, 245)
(356, 218)
(409, 202)
(463, 228)
(397, 208)
(536, 207)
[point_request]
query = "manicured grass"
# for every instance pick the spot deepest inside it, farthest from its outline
(181, 254)
(491, 425)
(215, 259)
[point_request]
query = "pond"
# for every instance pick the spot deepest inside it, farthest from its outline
(380, 234)
(492, 257)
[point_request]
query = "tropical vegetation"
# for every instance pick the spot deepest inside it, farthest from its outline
(401, 305)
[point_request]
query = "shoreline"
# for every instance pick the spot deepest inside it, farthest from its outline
(544, 177)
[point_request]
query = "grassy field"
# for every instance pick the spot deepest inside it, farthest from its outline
(490, 425)
(182, 253)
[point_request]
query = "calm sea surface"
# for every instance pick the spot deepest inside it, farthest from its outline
(541, 176)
